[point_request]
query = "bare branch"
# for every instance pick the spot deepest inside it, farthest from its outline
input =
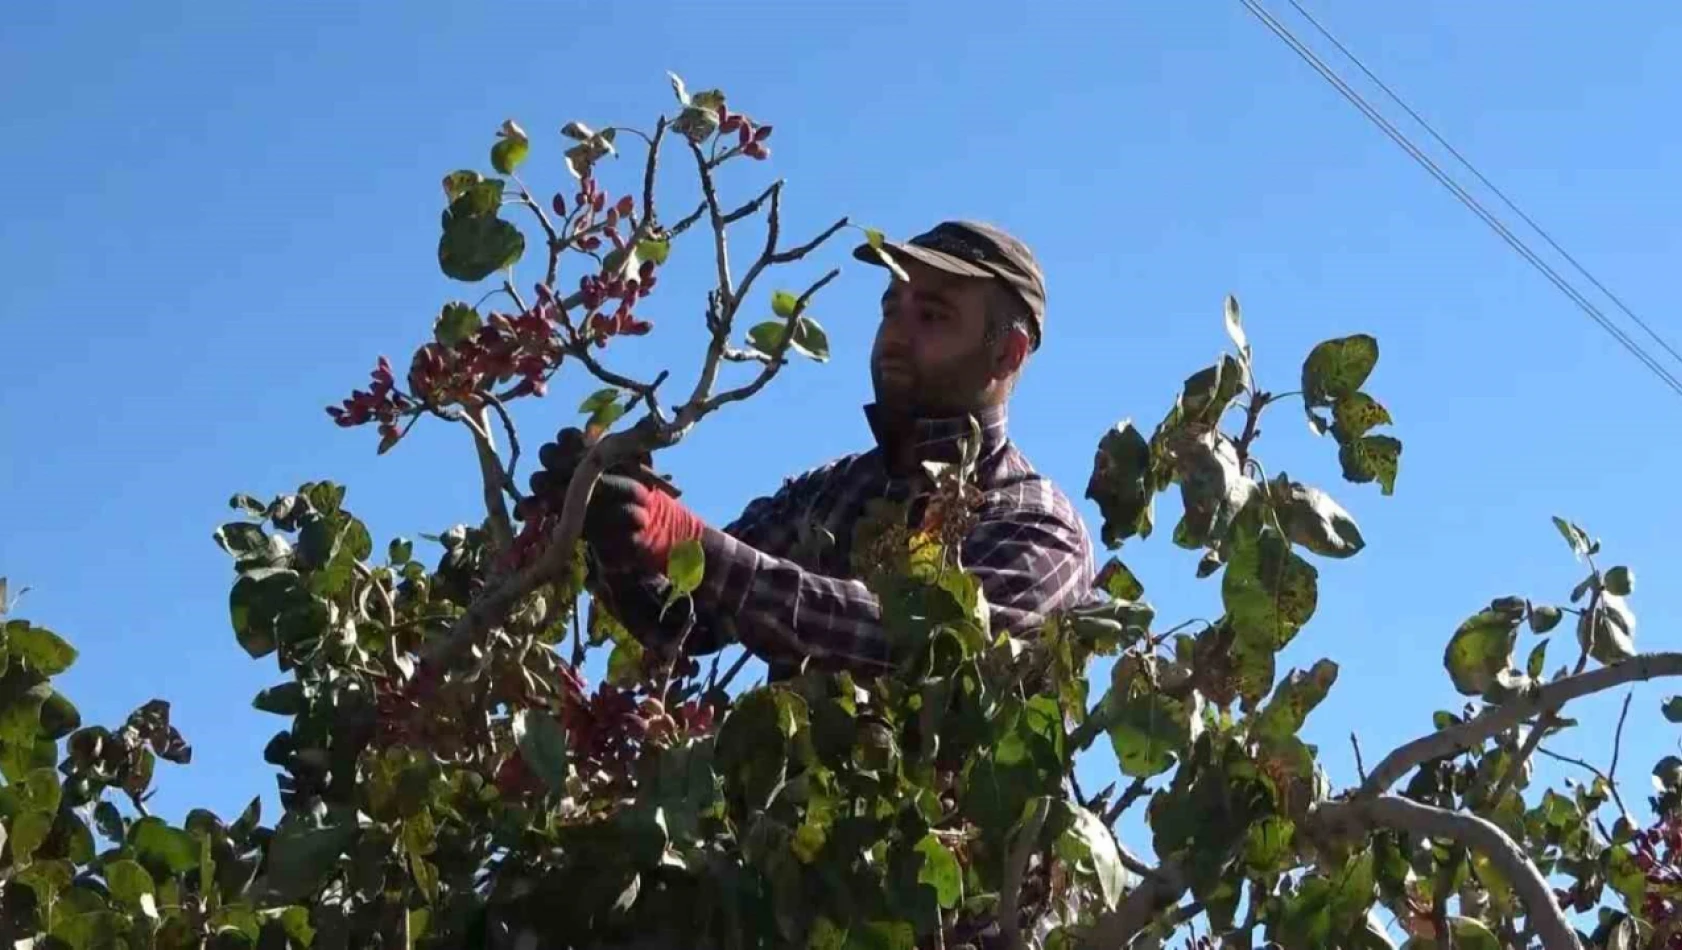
(493, 477)
(1617, 747)
(688, 220)
(1362, 815)
(753, 206)
(1360, 767)
(555, 244)
(508, 470)
(1494, 719)
(778, 358)
(1134, 792)
(1591, 770)
(1158, 892)
(648, 174)
(721, 246)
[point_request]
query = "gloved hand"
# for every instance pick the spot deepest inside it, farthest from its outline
(634, 518)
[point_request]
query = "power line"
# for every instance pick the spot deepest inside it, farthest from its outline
(1486, 182)
(1468, 200)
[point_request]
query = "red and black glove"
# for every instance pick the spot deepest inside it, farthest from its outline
(633, 519)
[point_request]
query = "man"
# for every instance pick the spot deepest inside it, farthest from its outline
(951, 345)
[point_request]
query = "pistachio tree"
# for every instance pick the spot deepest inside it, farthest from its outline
(448, 778)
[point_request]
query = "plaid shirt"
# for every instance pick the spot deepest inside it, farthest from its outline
(788, 600)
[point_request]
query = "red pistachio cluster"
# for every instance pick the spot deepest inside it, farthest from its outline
(606, 731)
(381, 401)
(609, 296)
(505, 347)
(1658, 853)
(749, 137)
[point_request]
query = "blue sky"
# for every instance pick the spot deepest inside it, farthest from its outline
(224, 213)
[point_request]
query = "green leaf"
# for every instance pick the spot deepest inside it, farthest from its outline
(686, 567)
(940, 871)
(241, 538)
(1295, 698)
(598, 400)
(656, 251)
(28, 832)
(1536, 662)
(882, 935)
(459, 182)
(1372, 458)
(1091, 849)
(1235, 326)
(455, 323)
(1314, 520)
(1268, 590)
(1544, 618)
(1119, 582)
(1354, 414)
(1208, 393)
(305, 848)
(1607, 632)
(1268, 845)
(1480, 649)
(1121, 484)
(510, 149)
(128, 881)
(1619, 580)
(624, 664)
(41, 650)
(1573, 535)
(783, 304)
(1338, 367)
(59, 717)
(1213, 488)
(1146, 730)
(543, 746)
(1672, 709)
(810, 340)
(475, 243)
(286, 699)
(163, 848)
(1469, 934)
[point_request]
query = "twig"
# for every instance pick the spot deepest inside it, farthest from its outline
(687, 221)
(1360, 768)
(721, 245)
(1439, 900)
(1252, 416)
(508, 484)
(752, 207)
(1544, 750)
(1617, 746)
(1134, 792)
(778, 358)
(1010, 894)
(1132, 862)
(1494, 719)
(494, 479)
(1362, 815)
(649, 172)
(556, 245)
(1080, 796)
(730, 673)
(577, 638)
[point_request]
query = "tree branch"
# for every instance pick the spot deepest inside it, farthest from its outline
(1617, 746)
(778, 358)
(1360, 816)
(1158, 892)
(493, 477)
(1134, 792)
(1011, 891)
(1496, 718)
(1589, 768)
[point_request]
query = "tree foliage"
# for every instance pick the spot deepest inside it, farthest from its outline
(448, 778)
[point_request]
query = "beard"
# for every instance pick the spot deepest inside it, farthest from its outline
(954, 387)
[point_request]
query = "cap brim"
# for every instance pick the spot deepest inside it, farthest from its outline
(939, 261)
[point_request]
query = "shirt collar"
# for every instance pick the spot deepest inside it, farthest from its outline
(940, 438)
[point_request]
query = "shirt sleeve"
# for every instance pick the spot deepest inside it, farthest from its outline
(1030, 560)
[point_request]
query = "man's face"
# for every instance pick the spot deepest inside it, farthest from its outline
(931, 356)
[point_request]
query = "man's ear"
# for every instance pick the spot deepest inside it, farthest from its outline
(1012, 353)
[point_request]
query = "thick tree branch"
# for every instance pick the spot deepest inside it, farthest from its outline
(1360, 816)
(1158, 892)
(1494, 719)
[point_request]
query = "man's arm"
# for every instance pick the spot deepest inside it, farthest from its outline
(1029, 561)
(769, 524)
